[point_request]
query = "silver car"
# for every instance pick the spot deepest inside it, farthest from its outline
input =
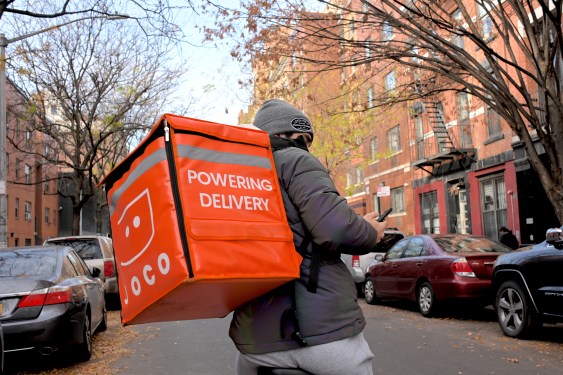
(96, 251)
(358, 264)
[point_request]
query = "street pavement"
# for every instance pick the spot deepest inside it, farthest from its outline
(402, 340)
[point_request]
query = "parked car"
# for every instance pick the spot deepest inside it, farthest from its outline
(358, 264)
(430, 269)
(96, 251)
(49, 300)
(528, 286)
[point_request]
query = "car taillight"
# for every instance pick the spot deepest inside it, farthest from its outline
(355, 260)
(461, 267)
(46, 296)
(109, 268)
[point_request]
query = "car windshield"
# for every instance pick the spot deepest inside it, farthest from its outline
(26, 263)
(457, 244)
(87, 248)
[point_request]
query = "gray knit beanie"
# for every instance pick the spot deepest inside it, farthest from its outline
(278, 117)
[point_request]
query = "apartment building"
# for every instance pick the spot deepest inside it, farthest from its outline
(445, 161)
(32, 200)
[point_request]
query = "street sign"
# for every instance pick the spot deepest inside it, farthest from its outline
(383, 191)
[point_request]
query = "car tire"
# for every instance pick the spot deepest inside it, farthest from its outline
(426, 300)
(84, 349)
(360, 289)
(103, 326)
(369, 291)
(514, 310)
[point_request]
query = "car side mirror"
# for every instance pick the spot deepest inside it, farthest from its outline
(379, 257)
(554, 237)
(96, 272)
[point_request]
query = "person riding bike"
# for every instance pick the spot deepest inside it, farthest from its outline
(315, 322)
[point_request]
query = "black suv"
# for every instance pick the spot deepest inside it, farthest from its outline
(528, 286)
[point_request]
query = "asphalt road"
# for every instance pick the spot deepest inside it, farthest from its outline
(403, 341)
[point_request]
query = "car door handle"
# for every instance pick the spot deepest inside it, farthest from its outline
(419, 263)
(394, 265)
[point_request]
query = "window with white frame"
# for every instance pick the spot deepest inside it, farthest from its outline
(373, 148)
(398, 199)
(457, 39)
(394, 139)
(28, 136)
(387, 31)
(371, 98)
(368, 49)
(390, 82)
(27, 173)
(349, 179)
(485, 19)
(27, 210)
(359, 175)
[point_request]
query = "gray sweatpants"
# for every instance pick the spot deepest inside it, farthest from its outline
(348, 356)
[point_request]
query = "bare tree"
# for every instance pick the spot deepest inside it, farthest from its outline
(94, 89)
(506, 53)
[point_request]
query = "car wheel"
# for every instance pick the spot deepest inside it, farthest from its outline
(84, 350)
(369, 291)
(514, 310)
(104, 323)
(426, 300)
(360, 289)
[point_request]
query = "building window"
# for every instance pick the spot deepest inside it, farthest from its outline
(349, 179)
(294, 58)
(429, 215)
(27, 208)
(368, 49)
(390, 82)
(27, 173)
(415, 52)
(28, 136)
(359, 175)
(17, 209)
(398, 199)
(485, 20)
(387, 31)
(47, 214)
(493, 122)
(46, 187)
(370, 98)
(17, 169)
(457, 39)
(493, 205)
(463, 119)
(394, 139)
(373, 148)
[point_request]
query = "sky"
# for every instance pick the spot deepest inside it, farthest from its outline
(213, 76)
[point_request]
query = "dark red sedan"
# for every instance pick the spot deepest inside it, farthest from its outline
(430, 269)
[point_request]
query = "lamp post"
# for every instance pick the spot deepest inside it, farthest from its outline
(4, 42)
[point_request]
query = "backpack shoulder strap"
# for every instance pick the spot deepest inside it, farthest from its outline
(278, 143)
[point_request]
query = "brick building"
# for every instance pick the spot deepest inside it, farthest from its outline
(446, 163)
(33, 207)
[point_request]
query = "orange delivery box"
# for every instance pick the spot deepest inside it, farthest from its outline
(198, 222)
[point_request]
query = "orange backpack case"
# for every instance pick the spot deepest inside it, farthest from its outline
(198, 222)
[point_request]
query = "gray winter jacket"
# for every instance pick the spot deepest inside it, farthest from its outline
(312, 205)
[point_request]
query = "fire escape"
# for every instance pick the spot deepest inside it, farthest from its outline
(447, 144)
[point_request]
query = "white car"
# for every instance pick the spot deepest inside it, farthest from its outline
(96, 251)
